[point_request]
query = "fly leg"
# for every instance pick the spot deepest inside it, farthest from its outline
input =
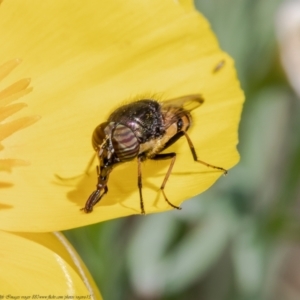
(140, 185)
(164, 156)
(195, 157)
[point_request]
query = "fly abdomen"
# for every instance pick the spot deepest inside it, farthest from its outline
(125, 143)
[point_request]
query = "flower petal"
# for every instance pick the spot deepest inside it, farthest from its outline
(85, 60)
(42, 264)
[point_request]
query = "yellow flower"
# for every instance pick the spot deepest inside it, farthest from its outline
(42, 265)
(85, 59)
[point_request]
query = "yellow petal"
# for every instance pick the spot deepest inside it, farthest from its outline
(85, 59)
(42, 264)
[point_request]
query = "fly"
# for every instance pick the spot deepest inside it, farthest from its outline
(142, 130)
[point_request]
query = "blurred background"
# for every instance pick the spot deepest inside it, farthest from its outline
(240, 239)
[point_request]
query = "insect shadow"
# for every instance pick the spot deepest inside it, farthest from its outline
(123, 183)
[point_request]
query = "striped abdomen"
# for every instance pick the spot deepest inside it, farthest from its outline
(125, 143)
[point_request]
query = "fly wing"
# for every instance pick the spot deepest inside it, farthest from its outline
(173, 109)
(187, 103)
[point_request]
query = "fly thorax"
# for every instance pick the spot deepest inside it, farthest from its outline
(155, 146)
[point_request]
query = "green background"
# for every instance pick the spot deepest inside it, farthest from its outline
(240, 239)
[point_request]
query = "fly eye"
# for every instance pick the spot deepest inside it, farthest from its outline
(179, 125)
